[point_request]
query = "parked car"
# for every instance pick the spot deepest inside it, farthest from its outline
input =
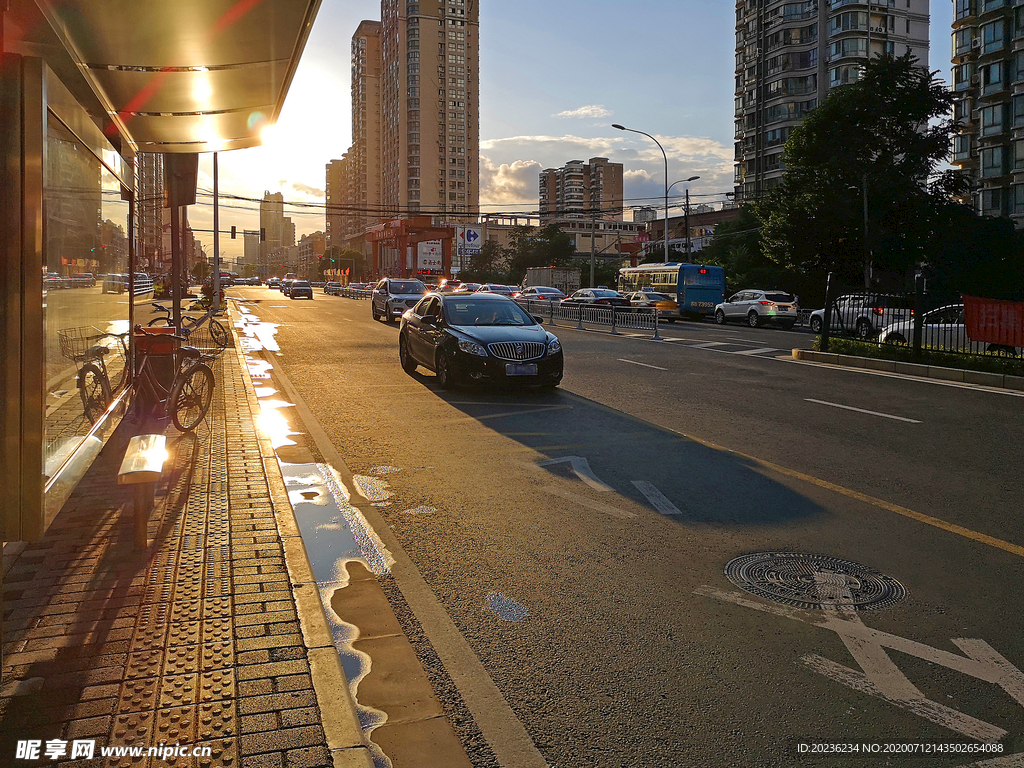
(114, 283)
(332, 288)
(300, 289)
(83, 280)
(540, 293)
(756, 307)
(598, 297)
(863, 314)
(504, 290)
(448, 285)
(944, 329)
(392, 296)
(478, 338)
(667, 307)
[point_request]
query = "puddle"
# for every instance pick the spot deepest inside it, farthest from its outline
(258, 369)
(505, 608)
(420, 511)
(275, 424)
(373, 489)
(265, 391)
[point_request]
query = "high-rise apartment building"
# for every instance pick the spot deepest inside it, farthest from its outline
(788, 56)
(278, 229)
(150, 209)
(988, 81)
(578, 189)
(363, 180)
(429, 119)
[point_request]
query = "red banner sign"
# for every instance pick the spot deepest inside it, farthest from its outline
(994, 321)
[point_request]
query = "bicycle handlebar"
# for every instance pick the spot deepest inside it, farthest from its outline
(142, 330)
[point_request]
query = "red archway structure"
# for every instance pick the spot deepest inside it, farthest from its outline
(401, 233)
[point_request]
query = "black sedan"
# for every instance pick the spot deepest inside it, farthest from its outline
(298, 289)
(478, 338)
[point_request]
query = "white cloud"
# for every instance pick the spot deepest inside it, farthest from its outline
(590, 110)
(508, 184)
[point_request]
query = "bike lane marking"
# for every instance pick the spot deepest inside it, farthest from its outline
(861, 410)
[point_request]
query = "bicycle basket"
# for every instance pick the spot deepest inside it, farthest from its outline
(75, 342)
(156, 342)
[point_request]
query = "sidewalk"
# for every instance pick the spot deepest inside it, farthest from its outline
(214, 637)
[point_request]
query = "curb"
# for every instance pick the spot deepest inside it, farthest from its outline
(981, 378)
(337, 709)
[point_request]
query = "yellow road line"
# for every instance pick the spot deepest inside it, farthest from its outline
(959, 530)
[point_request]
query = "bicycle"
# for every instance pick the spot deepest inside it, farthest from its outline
(188, 398)
(189, 324)
(94, 383)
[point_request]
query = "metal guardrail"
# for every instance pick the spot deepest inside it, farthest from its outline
(631, 318)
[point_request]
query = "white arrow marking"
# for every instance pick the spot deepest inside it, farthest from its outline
(581, 468)
(597, 506)
(881, 677)
(658, 499)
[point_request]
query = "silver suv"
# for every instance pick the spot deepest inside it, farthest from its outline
(392, 296)
(863, 314)
(755, 307)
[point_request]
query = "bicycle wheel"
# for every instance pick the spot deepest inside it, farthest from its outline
(95, 391)
(117, 366)
(219, 334)
(190, 396)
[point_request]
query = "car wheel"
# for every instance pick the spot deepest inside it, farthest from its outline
(444, 374)
(720, 317)
(373, 311)
(408, 364)
(895, 338)
(816, 323)
(864, 330)
(753, 319)
(671, 319)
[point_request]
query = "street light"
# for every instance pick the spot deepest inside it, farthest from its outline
(686, 215)
(634, 130)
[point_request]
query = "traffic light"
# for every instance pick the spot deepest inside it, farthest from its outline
(233, 233)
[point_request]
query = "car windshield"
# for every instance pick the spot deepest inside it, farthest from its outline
(781, 297)
(480, 312)
(605, 294)
(300, 284)
(408, 286)
(655, 296)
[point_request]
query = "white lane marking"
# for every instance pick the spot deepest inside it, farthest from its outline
(658, 499)
(645, 365)
(902, 377)
(581, 467)
(861, 410)
(760, 351)
(597, 506)
(880, 676)
(710, 345)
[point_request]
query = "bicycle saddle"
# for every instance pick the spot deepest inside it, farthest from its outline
(190, 353)
(160, 307)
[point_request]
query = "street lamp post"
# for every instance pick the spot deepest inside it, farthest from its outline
(633, 130)
(686, 209)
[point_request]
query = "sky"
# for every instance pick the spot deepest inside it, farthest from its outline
(554, 76)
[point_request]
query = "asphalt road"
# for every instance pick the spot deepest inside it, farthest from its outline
(610, 627)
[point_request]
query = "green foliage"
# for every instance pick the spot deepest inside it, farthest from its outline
(605, 272)
(537, 247)
(488, 266)
(201, 270)
(884, 136)
(903, 353)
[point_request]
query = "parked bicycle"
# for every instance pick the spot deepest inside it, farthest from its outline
(190, 393)
(97, 381)
(190, 324)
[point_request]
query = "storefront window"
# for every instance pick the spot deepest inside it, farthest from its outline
(85, 306)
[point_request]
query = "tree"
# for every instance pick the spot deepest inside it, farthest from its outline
(336, 257)
(490, 265)
(881, 139)
(538, 247)
(201, 270)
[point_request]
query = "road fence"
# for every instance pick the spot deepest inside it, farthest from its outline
(630, 318)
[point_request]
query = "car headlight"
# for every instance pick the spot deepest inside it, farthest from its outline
(554, 346)
(472, 348)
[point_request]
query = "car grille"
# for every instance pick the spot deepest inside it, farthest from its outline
(517, 350)
(410, 303)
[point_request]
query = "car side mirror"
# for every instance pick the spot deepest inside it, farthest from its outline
(539, 320)
(429, 320)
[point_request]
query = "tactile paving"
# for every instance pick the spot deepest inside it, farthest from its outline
(138, 695)
(217, 685)
(175, 725)
(217, 630)
(184, 633)
(178, 690)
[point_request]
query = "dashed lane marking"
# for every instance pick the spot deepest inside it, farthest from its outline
(760, 351)
(658, 499)
(861, 410)
(645, 365)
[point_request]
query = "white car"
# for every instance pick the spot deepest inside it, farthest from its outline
(944, 329)
(755, 307)
(540, 293)
(863, 314)
(392, 296)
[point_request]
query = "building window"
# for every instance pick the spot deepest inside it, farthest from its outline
(990, 202)
(993, 78)
(1018, 111)
(961, 147)
(962, 76)
(992, 162)
(993, 36)
(848, 73)
(964, 8)
(851, 20)
(1017, 199)
(993, 120)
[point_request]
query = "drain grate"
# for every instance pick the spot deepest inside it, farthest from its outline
(791, 578)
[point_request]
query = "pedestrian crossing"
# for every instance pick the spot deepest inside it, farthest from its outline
(727, 347)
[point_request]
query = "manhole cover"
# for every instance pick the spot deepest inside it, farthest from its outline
(799, 579)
